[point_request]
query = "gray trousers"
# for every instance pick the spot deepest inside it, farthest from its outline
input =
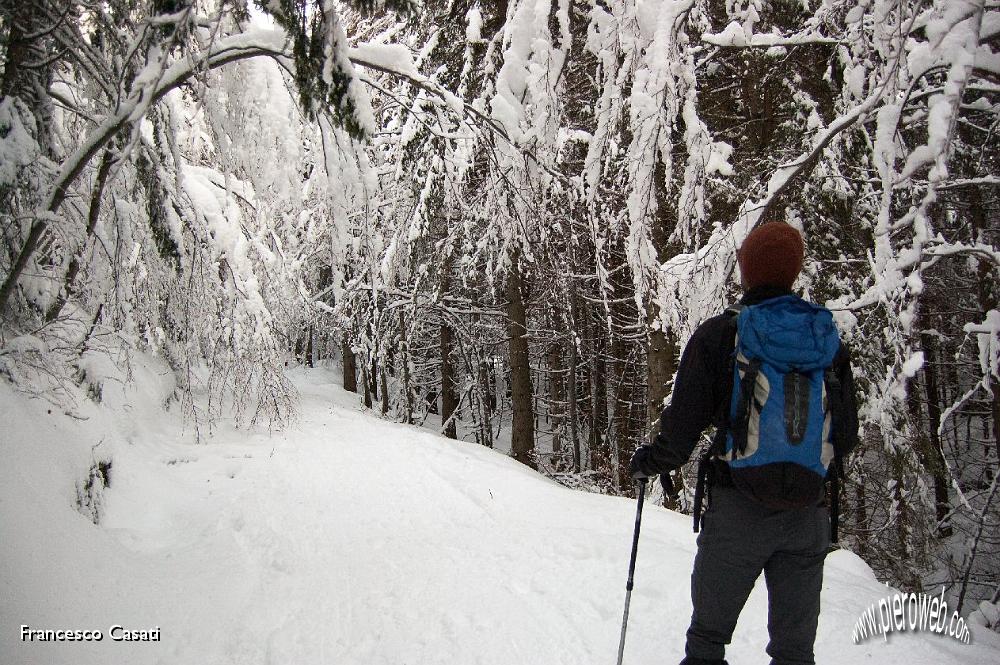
(739, 539)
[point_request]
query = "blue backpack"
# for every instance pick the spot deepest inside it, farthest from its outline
(779, 443)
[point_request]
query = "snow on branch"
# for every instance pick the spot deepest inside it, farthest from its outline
(782, 177)
(151, 85)
(735, 35)
(988, 339)
(156, 80)
(695, 282)
(395, 60)
(985, 181)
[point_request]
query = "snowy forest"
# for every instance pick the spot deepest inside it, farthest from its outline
(503, 219)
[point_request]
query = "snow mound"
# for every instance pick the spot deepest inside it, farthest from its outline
(351, 540)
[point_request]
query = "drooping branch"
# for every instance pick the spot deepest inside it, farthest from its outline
(227, 50)
(782, 178)
(69, 282)
(243, 46)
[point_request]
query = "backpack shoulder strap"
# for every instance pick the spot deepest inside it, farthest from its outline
(729, 353)
(734, 310)
(743, 406)
(706, 478)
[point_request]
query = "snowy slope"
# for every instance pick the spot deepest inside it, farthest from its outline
(350, 540)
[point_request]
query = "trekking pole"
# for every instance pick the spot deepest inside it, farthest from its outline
(631, 567)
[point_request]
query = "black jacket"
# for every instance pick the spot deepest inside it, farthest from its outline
(703, 385)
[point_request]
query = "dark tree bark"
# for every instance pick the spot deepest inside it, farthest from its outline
(599, 455)
(449, 397)
(383, 389)
(661, 348)
(405, 360)
(571, 389)
(366, 382)
(350, 365)
(29, 60)
(523, 425)
(621, 403)
(309, 347)
(661, 363)
(557, 384)
(934, 455)
(446, 341)
(487, 402)
(299, 347)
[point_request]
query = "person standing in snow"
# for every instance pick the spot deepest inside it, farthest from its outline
(762, 517)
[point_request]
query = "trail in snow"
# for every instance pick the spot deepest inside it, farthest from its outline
(350, 540)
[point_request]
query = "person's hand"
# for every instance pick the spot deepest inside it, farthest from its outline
(643, 466)
(639, 467)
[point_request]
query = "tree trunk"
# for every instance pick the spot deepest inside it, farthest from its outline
(623, 447)
(28, 65)
(522, 443)
(350, 365)
(449, 398)
(557, 386)
(299, 350)
(906, 563)
(383, 388)
(366, 381)
(574, 435)
(599, 456)
(935, 454)
(309, 348)
(661, 363)
(661, 345)
(571, 384)
(486, 402)
(995, 409)
(405, 360)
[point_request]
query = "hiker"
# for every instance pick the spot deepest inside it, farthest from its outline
(782, 428)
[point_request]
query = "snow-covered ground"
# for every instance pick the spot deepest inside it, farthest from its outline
(350, 540)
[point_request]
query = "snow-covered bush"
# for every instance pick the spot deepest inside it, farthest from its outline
(986, 615)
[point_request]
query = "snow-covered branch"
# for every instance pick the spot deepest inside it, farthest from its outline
(736, 36)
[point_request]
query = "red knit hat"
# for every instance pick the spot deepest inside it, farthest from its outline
(771, 256)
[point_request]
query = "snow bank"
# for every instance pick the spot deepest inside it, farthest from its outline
(348, 539)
